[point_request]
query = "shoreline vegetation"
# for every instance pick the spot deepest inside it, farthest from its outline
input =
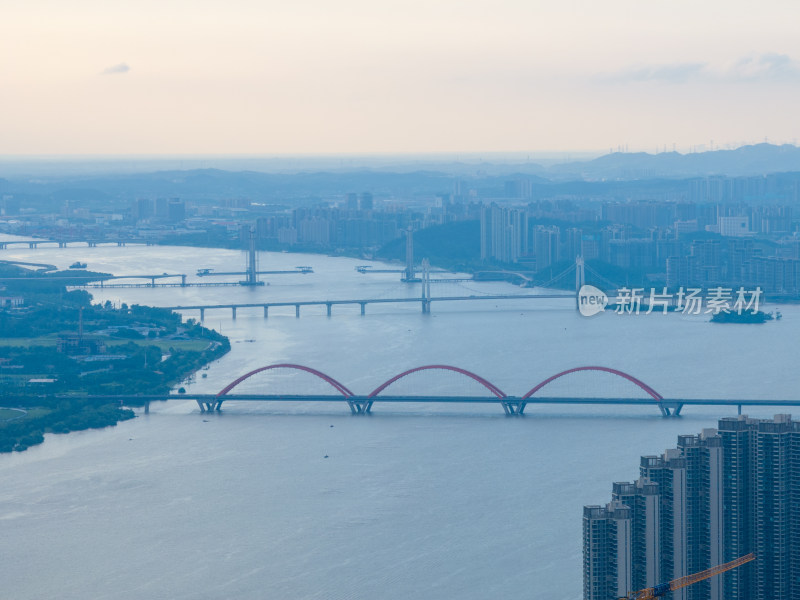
(57, 348)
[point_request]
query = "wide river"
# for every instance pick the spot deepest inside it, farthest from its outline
(285, 501)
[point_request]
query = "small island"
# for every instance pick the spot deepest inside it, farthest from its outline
(747, 316)
(57, 348)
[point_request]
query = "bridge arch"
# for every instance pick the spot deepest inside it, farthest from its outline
(487, 384)
(339, 387)
(637, 382)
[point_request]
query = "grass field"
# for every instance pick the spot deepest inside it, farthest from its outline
(6, 414)
(24, 342)
(165, 345)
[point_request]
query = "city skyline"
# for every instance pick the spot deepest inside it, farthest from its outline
(248, 78)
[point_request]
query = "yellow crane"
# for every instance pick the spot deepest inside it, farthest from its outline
(676, 584)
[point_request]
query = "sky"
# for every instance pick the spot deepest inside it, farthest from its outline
(264, 77)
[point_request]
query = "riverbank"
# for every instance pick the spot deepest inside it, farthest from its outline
(58, 348)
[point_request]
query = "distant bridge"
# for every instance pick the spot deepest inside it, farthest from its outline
(511, 405)
(362, 302)
(65, 243)
(425, 299)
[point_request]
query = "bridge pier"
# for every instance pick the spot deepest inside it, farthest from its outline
(202, 314)
(359, 407)
(512, 407)
(183, 280)
(32, 245)
(152, 282)
(363, 308)
(330, 306)
(266, 311)
(209, 406)
(297, 311)
(147, 408)
(233, 312)
(673, 409)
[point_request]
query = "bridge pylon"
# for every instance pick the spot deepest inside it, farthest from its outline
(409, 274)
(580, 280)
(426, 286)
(252, 267)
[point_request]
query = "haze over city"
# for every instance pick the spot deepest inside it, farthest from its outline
(381, 299)
(246, 77)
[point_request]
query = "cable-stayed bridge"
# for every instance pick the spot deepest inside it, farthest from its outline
(425, 299)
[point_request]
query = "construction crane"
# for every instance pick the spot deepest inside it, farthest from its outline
(676, 584)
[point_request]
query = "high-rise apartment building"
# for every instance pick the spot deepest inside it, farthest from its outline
(546, 245)
(607, 551)
(718, 496)
(504, 233)
(669, 473)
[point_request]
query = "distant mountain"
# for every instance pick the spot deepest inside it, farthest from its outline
(616, 174)
(214, 185)
(759, 159)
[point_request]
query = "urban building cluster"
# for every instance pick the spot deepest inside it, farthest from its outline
(718, 496)
(354, 221)
(679, 244)
(702, 232)
(172, 210)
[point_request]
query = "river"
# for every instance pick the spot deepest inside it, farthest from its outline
(414, 501)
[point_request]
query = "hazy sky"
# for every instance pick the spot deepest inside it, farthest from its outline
(353, 76)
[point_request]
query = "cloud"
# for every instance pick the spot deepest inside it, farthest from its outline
(768, 67)
(765, 67)
(119, 69)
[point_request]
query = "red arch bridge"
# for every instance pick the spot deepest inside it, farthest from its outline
(512, 405)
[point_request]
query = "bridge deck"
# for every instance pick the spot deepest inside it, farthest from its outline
(495, 400)
(161, 285)
(370, 301)
(512, 405)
